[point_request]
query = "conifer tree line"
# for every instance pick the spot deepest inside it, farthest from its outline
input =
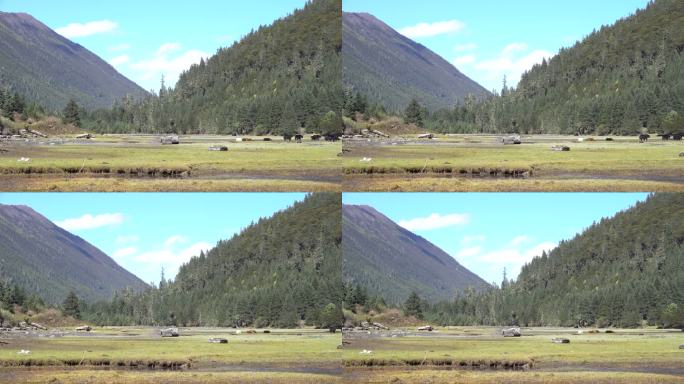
(278, 79)
(624, 271)
(281, 271)
(12, 103)
(12, 295)
(623, 79)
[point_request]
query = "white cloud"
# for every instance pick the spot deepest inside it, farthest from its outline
(463, 60)
(465, 47)
(519, 240)
(512, 48)
(435, 221)
(432, 29)
(87, 29)
(513, 60)
(119, 47)
(173, 240)
(171, 259)
(89, 221)
(124, 252)
(119, 60)
(513, 258)
(168, 47)
(167, 61)
(469, 252)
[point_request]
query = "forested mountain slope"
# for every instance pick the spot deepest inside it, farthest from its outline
(622, 269)
(620, 79)
(619, 272)
(391, 69)
(276, 272)
(46, 260)
(391, 262)
(276, 79)
(49, 69)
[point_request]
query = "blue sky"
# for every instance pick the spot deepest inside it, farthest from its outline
(145, 231)
(487, 232)
(486, 39)
(144, 39)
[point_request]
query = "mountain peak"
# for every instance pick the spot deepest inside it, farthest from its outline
(49, 261)
(391, 261)
(391, 69)
(50, 69)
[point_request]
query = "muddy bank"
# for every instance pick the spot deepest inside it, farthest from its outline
(443, 171)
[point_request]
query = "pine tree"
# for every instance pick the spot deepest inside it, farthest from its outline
(71, 306)
(414, 113)
(71, 114)
(413, 306)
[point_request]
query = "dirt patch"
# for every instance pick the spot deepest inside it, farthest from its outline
(130, 364)
(444, 171)
(443, 362)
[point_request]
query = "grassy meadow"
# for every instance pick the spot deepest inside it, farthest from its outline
(139, 354)
(140, 163)
(480, 354)
(479, 163)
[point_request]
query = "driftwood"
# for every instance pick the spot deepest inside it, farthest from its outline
(510, 139)
(220, 148)
(560, 340)
(218, 340)
(166, 140)
(560, 148)
(511, 332)
(426, 328)
(84, 328)
(427, 136)
(34, 132)
(169, 332)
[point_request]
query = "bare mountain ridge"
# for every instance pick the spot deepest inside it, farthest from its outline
(49, 69)
(49, 261)
(391, 261)
(391, 69)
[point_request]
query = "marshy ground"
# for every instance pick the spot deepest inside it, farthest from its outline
(482, 355)
(480, 163)
(127, 354)
(141, 163)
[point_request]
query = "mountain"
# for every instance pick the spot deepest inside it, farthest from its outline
(46, 68)
(44, 259)
(391, 69)
(390, 261)
(276, 79)
(619, 271)
(621, 79)
(277, 272)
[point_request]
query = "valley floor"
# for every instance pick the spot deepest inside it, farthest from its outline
(482, 355)
(141, 163)
(127, 354)
(480, 163)
(401, 355)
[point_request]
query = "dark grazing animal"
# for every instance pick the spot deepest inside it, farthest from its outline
(644, 137)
